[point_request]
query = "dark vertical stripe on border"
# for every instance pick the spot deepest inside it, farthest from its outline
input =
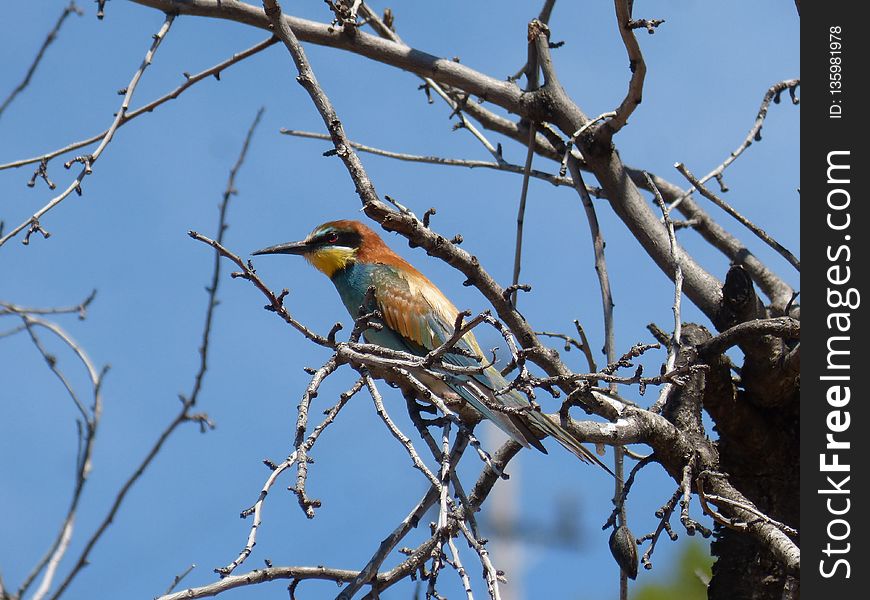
(834, 259)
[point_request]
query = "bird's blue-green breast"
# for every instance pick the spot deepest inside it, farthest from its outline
(352, 284)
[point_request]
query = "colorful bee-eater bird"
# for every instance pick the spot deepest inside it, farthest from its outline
(418, 318)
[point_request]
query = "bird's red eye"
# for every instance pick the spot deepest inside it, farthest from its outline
(332, 237)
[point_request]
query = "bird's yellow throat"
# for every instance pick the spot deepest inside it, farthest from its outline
(331, 259)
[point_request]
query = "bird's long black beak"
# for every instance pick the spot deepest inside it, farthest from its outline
(288, 248)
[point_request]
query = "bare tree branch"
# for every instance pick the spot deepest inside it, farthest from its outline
(532, 77)
(81, 308)
(87, 430)
(785, 327)
(451, 162)
(754, 135)
(636, 65)
(791, 258)
(89, 160)
(263, 576)
(458, 108)
(674, 343)
(389, 543)
(185, 415)
(382, 580)
(701, 287)
(767, 531)
(779, 292)
(214, 71)
(600, 261)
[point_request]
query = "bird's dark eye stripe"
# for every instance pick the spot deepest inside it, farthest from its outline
(348, 239)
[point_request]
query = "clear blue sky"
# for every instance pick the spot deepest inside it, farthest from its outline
(708, 68)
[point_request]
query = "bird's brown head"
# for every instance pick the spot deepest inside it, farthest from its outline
(331, 247)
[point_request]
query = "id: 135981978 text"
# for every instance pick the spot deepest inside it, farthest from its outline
(835, 71)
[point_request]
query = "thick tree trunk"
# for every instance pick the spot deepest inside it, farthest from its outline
(763, 464)
(758, 428)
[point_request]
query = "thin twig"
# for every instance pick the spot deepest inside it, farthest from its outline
(10, 332)
(460, 329)
(89, 160)
(451, 162)
(649, 24)
(380, 581)
(442, 528)
(758, 231)
(439, 403)
(430, 84)
(178, 579)
(397, 433)
(370, 570)
(664, 515)
(457, 564)
(432, 495)
(51, 360)
(459, 447)
(187, 403)
(276, 301)
(676, 376)
(609, 337)
(598, 245)
(258, 576)
(489, 571)
(569, 145)
(705, 498)
(543, 17)
(717, 236)
(87, 433)
(587, 349)
(521, 213)
(600, 261)
(257, 511)
(81, 309)
(772, 94)
(214, 71)
(488, 476)
(674, 342)
(636, 64)
(302, 447)
(686, 486)
(611, 521)
(532, 79)
(216, 270)
(582, 344)
(786, 328)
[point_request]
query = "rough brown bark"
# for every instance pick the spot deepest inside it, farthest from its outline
(758, 428)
